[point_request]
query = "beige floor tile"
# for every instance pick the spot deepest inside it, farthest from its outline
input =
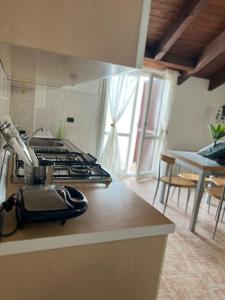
(167, 297)
(212, 271)
(217, 294)
(188, 286)
(165, 285)
(177, 266)
(213, 279)
(174, 254)
(194, 266)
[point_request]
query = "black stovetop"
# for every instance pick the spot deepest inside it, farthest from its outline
(71, 166)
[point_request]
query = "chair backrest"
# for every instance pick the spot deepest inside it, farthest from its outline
(167, 159)
(170, 161)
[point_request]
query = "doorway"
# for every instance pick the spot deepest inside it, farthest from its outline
(139, 127)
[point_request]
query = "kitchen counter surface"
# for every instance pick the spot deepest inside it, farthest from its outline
(115, 213)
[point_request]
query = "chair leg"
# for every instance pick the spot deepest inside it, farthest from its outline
(223, 214)
(217, 218)
(209, 202)
(172, 193)
(166, 200)
(220, 205)
(188, 198)
(178, 199)
(217, 211)
(156, 191)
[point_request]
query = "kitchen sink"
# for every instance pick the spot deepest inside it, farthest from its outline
(45, 142)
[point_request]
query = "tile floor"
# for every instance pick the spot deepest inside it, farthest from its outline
(194, 266)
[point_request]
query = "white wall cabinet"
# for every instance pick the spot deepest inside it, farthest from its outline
(112, 31)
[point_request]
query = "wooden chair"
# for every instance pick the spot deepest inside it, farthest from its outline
(195, 178)
(170, 180)
(218, 192)
(190, 176)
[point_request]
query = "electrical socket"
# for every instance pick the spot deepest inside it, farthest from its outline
(70, 119)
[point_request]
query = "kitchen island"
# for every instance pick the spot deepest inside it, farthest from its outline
(114, 251)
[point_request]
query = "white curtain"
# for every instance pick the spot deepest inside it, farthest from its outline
(166, 109)
(120, 90)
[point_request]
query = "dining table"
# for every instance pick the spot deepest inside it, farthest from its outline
(200, 165)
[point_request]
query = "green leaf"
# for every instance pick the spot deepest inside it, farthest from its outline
(217, 131)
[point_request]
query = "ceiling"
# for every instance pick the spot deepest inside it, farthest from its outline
(189, 36)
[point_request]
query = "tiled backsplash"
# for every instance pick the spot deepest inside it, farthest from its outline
(83, 103)
(4, 85)
(22, 107)
(4, 96)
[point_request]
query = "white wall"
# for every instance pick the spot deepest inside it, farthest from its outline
(22, 107)
(82, 102)
(193, 110)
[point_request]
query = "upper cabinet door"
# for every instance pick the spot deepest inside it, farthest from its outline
(112, 31)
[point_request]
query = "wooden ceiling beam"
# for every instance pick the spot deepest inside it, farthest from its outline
(216, 80)
(214, 49)
(169, 61)
(162, 65)
(187, 15)
(184, 63)
(151, 63)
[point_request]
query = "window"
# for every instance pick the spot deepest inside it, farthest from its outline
(138, 128)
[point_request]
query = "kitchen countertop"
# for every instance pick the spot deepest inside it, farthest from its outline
(115, 213)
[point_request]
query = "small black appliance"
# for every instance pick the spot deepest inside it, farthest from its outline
(46, 203)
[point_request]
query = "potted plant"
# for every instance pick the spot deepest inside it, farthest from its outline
(217, 132)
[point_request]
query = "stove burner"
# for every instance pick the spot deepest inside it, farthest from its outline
(80, 170)
(72, 166)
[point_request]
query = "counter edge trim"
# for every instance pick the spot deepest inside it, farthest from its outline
(50, 243)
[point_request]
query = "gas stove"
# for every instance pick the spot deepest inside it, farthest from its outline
(69, 166)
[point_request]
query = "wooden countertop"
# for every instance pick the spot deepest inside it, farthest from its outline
(115, 212)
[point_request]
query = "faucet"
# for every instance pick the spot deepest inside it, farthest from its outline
(33, 134)
(36, 131)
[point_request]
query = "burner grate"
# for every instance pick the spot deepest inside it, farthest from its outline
(75, 166)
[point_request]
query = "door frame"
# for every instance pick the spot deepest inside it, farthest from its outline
(142, 174)
(103, 111)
